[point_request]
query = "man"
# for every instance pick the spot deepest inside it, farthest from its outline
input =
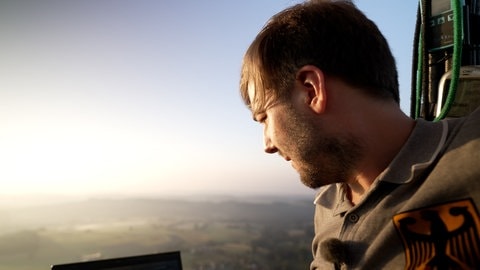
(393, 192)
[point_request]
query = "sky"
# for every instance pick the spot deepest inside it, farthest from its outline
(141, 97)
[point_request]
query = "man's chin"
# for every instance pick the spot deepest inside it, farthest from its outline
(314, 182)
(310, 182)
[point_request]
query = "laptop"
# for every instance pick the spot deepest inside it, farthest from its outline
(157, 261)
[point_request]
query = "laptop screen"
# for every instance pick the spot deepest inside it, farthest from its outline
(158, 261)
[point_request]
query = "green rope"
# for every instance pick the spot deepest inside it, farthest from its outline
(457, 58)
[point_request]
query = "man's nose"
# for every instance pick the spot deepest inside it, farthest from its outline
(269, 148)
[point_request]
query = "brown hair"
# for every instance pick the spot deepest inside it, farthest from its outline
(334, 36)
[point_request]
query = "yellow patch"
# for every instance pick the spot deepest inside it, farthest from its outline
(441, 237)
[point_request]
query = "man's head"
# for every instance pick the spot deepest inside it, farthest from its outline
(301, 54)
(331, 35)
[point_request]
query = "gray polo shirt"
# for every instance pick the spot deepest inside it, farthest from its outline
(421, 211)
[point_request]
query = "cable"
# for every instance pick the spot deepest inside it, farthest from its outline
(420, 58)
(415, 66)
(457, 58)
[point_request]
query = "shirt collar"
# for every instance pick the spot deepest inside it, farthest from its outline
(420, 150)
(334, 197)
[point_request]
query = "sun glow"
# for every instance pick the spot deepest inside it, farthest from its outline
(46, 156)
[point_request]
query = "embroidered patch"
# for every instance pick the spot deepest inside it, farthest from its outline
(441, 237)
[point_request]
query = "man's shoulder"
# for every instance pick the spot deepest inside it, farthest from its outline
(465, 131)
(461, 155)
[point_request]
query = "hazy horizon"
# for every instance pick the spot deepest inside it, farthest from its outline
(18, 201)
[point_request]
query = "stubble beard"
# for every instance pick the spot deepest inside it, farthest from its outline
(329, 160)
(321, 158)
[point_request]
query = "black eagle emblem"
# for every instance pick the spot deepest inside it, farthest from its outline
(443, 237)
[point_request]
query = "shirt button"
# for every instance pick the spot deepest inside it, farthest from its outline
(353, 218)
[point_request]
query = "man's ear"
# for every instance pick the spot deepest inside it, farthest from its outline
(312, 80)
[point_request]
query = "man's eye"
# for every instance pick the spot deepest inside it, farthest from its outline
(261, 118)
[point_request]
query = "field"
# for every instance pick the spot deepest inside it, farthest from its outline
(226, 234)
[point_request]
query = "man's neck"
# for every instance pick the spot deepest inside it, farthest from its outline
(383, 143)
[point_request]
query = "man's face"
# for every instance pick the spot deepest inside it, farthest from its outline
(320, 155)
